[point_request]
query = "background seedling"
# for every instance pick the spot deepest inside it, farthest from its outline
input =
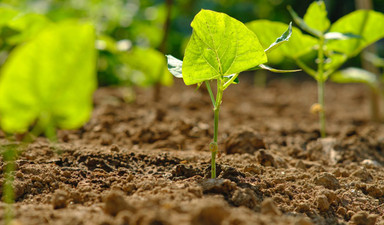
(357, 75)
(332, 44)
(220, 48)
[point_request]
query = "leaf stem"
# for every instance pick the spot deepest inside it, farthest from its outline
(230, 81)
(306, 68)
(210, 92)
(9, 156)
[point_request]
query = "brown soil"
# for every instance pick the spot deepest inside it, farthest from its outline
(148, 163)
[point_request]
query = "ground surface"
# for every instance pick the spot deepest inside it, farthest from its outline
(148, 163)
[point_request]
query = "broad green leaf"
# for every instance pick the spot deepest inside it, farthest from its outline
(316, 16)
(148, 66)
(367, 24)
(175, 66)
(220, 45)
(265, 67)
(28, 25)
(355, 75)
(302, 24)
(283, 38)
(267, 31)
(51, 76)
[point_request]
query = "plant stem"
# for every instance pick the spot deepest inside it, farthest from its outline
(210, 92)
(214, 146)
(9, 156)
(320, 86)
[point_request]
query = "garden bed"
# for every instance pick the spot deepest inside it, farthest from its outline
(148, 163)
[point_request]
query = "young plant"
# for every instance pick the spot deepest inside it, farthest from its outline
(333, 44)
(374, 82)
(46, 83)
(220, 48)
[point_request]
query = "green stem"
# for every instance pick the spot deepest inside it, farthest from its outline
(214, 146)
(210, 92)
(230, 81)
(320, 86)
(9, 156)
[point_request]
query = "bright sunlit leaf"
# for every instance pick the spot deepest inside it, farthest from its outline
(50, 78)
(220, 46)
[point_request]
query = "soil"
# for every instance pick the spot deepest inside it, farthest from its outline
(147, 163)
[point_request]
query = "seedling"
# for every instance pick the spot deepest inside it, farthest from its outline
(333, 44)
(220, 48)
(357, 75)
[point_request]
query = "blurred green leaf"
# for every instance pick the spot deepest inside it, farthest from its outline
(148, 66)
(302, 24)
(355, 75)
(339, 36)
(265, 67)
(316, 16)
(267, 31)
(28, 25)
(374, 59)
(7, 14)
(175, 66)
(220, 45)
(369, 25)
(50, 79)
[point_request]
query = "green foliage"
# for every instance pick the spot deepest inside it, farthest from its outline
(219, 46)
(147, 67)
(355, 75)
(267, 31)
(316, 16)
(367, 24)
(49, 79)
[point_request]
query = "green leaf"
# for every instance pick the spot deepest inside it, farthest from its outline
(367, 24)
(175, 66)
(148, 67)
(220, 45)
(265, 67)
(374, 59)
(267, 31)
(50, 78)
(355, 75)
(283, 38)
(302, 24)
(316, 16)
(7, 14)
(339, 36)
(29, 25)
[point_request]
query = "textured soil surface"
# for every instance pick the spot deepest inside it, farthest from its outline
(146, 163)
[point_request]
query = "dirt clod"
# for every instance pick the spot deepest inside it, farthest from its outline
(327, 180)
(115, 202)
(210, 214)
(362, 218)
(244, 141)
(322, 203)
(268, 207)
(59, 199)
(220, 186)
